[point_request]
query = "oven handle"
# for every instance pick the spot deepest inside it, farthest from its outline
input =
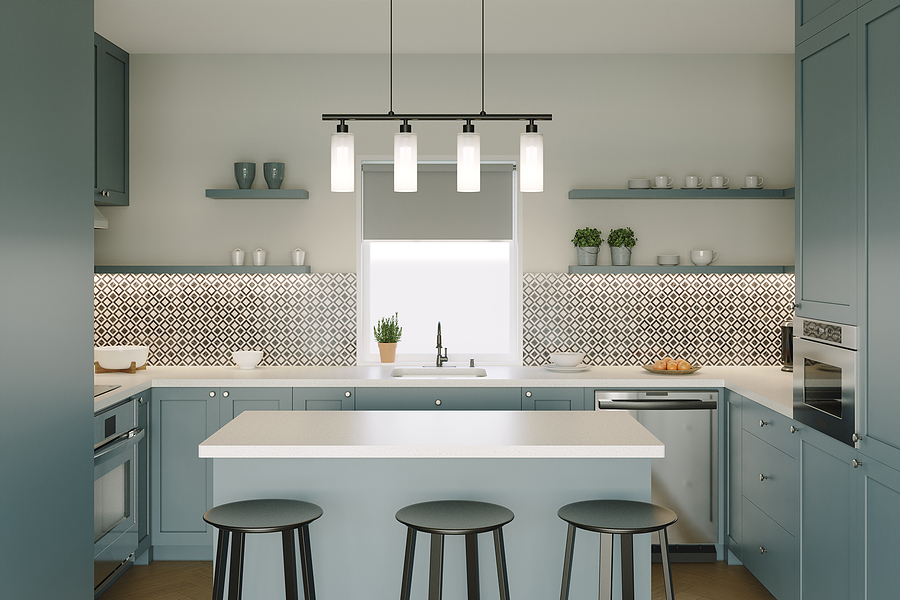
(664, 405)
(129, 437)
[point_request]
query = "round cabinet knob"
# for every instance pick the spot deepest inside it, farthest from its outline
(794, 429)
(856, 437)
(762, 550)
(796, 305)
(437, 402)
(763, 423)
(346, 394)
(141, 400)
(224, 394)
(762, 477)
(856, 463)
(528, 394)
(212, 394)
(105, 193)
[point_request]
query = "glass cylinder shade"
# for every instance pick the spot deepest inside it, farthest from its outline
(468, 162)
(405, 162)
(342, 174)
(531, 162)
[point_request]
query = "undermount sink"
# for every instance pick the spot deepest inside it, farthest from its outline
(438, 372)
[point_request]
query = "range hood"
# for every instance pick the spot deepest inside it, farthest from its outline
(100, 221)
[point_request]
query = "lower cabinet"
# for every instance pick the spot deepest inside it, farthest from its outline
(143, 468)
(438, 399)
(234, 401)
(879, 530)
(769, 552)
(555, 399)
(733, 474)
(324, 398)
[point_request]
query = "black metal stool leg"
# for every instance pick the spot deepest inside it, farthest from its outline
(435, 570)
(567, 563)
(290, 565)
(472, 567)
(666, 565)
(408, 563)
(606, 566)
(627, 566)
(237, 566)
(306, 567)
(221, 571)
(500, 551)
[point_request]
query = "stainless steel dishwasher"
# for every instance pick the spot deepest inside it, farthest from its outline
(686, 480)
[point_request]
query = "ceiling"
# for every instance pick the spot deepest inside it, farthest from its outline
(448, 26)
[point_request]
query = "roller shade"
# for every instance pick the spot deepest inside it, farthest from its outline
(437, 211)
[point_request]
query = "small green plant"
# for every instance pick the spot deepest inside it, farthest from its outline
(587, 238)
(388, 330)
(623, 236)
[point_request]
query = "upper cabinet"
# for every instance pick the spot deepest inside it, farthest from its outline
(110, 123)
(812, 16)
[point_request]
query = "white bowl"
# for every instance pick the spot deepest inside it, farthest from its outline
(247, 359)
(121, 357)
(567, 359)
(638, 184)
(668, 260)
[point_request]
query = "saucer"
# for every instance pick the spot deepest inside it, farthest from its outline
(724, 187)
(759, 187)
(699, 187)
(558, 369)
(668, 187)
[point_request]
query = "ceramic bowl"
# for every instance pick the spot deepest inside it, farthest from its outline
(121, 357)
(668, 260)
(638, 184)
(567, 359)
(247, 359)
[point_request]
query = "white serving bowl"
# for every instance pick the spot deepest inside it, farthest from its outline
(567, 359)
(668, 260)
(247, 359)
(121, 357)
(638, 184)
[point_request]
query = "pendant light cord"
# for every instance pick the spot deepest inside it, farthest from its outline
(482, 57)
(392, 57)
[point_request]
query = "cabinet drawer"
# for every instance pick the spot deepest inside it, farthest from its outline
(770, 553)
(553, 399)
(439, 399)
(770, 427)
(778, 495)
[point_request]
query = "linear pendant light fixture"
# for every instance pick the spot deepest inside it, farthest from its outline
(468, 143)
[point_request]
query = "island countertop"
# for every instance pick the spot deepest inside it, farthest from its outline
(422, 434)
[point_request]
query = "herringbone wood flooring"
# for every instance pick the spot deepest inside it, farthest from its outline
(164, 580)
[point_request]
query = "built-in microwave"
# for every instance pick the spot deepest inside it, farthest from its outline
(825, 372)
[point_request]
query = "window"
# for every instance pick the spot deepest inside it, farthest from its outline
(440, 255)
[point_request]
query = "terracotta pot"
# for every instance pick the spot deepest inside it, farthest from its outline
(388, 352)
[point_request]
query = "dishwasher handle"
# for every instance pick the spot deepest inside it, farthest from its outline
(657, 405)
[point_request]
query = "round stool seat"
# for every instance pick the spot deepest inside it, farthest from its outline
(617, 516)
(454, 517)
(262, 516)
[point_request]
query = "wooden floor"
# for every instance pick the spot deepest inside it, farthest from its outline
(162, 580)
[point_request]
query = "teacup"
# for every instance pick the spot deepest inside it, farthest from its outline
(752, 181)
(718, 181)
(692, 181)
(701, 258)
(663, 182)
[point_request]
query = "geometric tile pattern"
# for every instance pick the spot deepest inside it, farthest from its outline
(633, 319)
(199, 319)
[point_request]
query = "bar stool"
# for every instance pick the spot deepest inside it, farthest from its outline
(625, 518)
(454, 517)
(263, 516)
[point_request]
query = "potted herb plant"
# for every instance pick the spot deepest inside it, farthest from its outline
(387, 334)
(587, 244)
(621, 241)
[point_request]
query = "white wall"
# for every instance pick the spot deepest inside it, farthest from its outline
(614, 117)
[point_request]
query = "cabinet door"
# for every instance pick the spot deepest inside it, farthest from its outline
(770, 481)
(553, 399)
(110, 123)
(324, 398)
(733, 476)
(770, 552)
(828, 518)
(812, 16)
(879, 32)
(827, 218)
(438, 399)
(879, 500)
(234, 401)
(143, 465)
(181, 481)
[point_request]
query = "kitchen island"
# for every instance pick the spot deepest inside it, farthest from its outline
(361, 467)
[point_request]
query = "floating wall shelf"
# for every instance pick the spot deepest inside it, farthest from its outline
(685, 269)
(204, 270)
(258, 194)
(627, 194)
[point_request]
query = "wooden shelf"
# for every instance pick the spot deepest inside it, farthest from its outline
(683, 269)
(204, 270)
(629, 194)
(258, 194)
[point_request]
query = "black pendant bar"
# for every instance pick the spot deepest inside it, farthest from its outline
(435, 117)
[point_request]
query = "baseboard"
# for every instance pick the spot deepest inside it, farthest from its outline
(183, 552)
(684, 553)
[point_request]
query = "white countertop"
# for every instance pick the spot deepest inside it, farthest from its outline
(769, 386)
(426, 434)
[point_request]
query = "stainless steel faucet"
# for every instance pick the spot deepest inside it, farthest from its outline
(440, 360)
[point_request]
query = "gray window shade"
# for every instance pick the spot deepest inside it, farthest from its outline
(437, 211)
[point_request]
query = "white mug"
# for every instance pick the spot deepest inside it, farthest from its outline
(297, 256)
(662, 181)
(751, 181)
(701, 258)
(259, 257)
(237, 257)
(692, 181)
(718, 181)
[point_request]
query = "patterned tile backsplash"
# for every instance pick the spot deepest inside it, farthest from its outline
(310, 319)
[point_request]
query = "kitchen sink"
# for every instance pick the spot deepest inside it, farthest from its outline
(438, 372)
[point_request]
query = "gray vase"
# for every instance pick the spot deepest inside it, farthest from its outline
(244, 173)
(587, 255)
(621, 255)
(274, 174)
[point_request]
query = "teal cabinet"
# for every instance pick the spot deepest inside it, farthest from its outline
(733, 493)
(879, 526)
(769, 480)
(827, 213)
(111, 65)
(770, 553)
(829, 512)
(555, 398)
(812, 16)
(879, 65)
(234, 401)
(142, 487)
(324, 398)
(439, 399)
(181, 482)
